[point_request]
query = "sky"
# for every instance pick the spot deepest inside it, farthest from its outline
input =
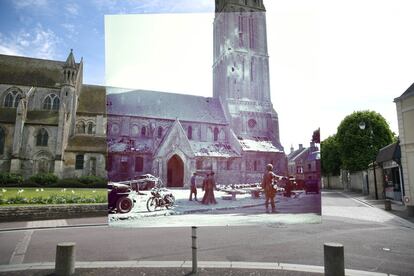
(328, 58)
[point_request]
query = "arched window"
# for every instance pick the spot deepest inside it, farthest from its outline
(81, 127)
(143, 131)
(12, 99)
(42, 138)
(216, 133)
(79, 162)
(159, 132)
(2, 140)
(51, 102)
(190, 132)
(90, 128)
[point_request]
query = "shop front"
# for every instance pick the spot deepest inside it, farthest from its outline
(389, 159)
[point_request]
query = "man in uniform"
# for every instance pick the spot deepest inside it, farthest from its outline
(267, 185)
(193, 188)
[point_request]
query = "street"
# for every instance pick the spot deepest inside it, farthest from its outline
(374, 240)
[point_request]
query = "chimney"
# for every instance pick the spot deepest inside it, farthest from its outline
(291, 148)
(300, 146)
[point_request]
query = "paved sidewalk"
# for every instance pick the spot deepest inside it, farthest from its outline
(38, 224)
(398, 209)
(179, 268)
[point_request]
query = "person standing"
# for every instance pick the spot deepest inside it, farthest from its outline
(211, 184)
(193, 188)
(267, 185)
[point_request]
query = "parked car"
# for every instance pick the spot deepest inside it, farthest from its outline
(119, 198)
(147, 181)
(312, 186)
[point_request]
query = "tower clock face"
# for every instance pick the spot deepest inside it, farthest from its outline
(252, 123)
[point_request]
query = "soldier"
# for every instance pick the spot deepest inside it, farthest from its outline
(193, 188)
(267, 185)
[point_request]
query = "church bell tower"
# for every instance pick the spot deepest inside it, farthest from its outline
(241, 69)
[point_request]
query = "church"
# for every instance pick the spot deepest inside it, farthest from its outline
(234, 133)
(48, 123)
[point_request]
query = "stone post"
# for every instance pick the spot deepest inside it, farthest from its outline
(334, 259)
(65, 259)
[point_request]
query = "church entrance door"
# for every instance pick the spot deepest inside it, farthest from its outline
(175, 172)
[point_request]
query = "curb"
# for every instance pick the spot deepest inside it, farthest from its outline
(191, 211)
(188, 264)
(53, 227)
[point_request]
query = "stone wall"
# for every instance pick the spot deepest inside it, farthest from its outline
(41, 212)
(332, 182)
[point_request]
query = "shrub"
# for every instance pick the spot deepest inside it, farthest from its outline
(10, 179)
(44, 179)
(93, 181)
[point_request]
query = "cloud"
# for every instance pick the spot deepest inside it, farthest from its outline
(21, 4)
(39, 42)
(72, 9)
(71, 31)
(154, 6)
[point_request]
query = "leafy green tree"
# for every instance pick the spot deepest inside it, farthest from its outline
(330, 157)
(360, 136)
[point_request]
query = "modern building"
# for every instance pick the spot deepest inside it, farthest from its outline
(405, 115)
(50, 122)
(235, 133)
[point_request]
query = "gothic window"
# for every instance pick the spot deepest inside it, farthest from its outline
(124, 164)
(80, 127)
(51, 102)
(92, 166)
(2, 140)
(190, 132)
(216, 133)
(12, 99)
(42, 138)
(251, 33)
(199, 164)
(159, 132)
(252, 70)
(143, 131)
(91, 129)
(79, 162)
(139, 164)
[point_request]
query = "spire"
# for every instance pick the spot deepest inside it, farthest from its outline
(70, 61)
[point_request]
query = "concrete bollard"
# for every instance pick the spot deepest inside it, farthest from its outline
(65, 259)
(194, 248)
(388, 205)
(334, 259)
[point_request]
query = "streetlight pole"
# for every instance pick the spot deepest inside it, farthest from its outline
(362, 126)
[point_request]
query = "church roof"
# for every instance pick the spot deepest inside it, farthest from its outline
(216, 149)
(258, 145)
(92, 99)
(155, 104)
(30, 71)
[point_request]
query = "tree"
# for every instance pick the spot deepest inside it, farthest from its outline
(330, 157)
(360, 136)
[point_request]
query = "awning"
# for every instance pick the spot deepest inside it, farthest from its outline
(389, 153)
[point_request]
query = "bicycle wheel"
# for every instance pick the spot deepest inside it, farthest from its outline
(171, 201)
(151, 204)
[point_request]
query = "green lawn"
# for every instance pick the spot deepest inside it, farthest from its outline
(9, 196)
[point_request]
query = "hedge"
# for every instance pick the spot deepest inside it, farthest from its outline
(51, 180)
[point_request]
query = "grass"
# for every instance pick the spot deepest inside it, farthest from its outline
(30, 196)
